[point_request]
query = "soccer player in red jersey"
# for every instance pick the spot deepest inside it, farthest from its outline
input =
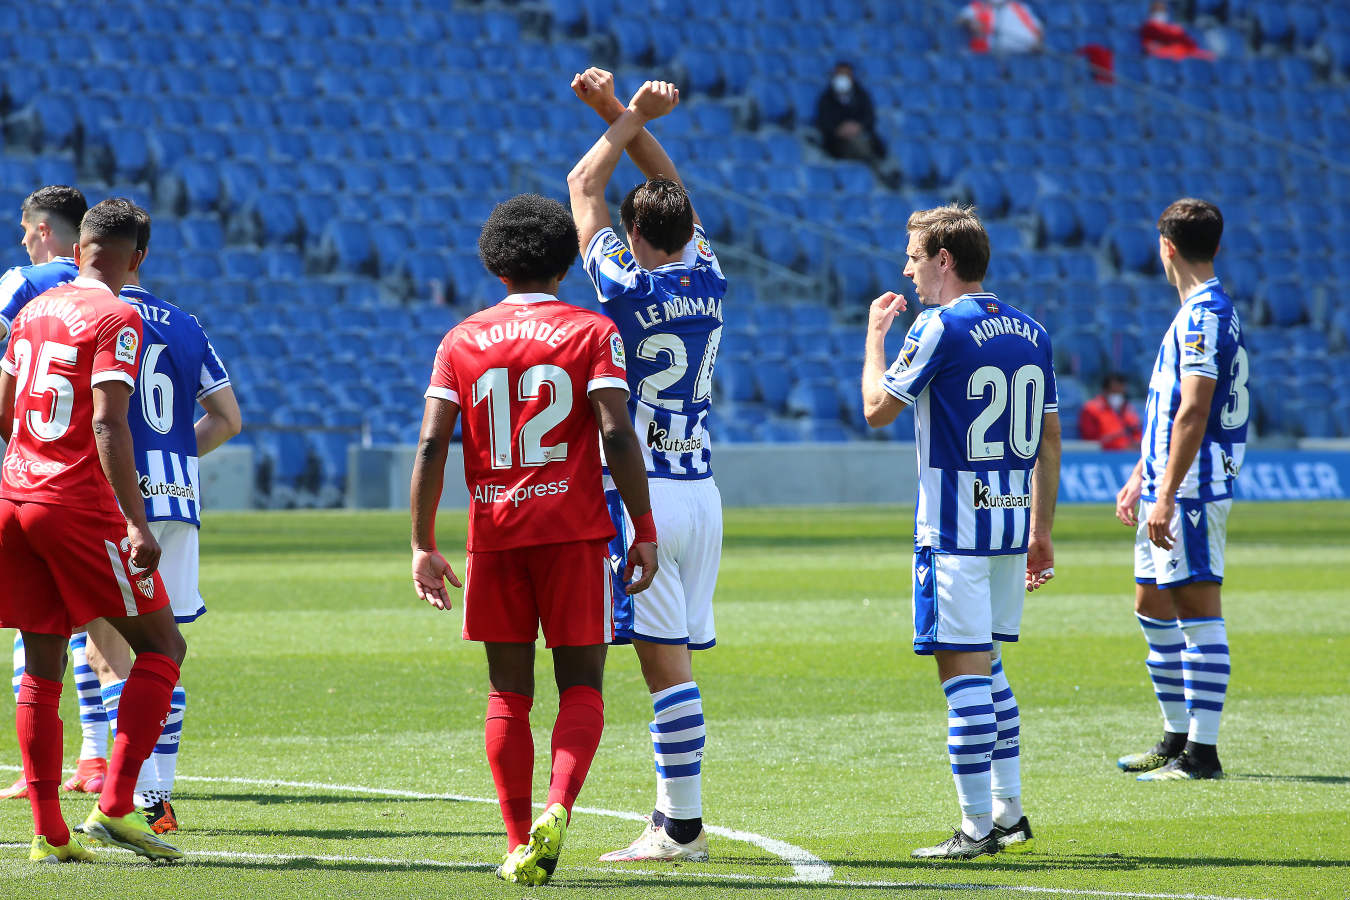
(74, 541)
(541, 386)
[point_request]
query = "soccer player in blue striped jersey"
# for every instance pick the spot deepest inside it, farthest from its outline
(1195, 434)
(664, 291)
(50, 219)
(179, 370)
(979, 375)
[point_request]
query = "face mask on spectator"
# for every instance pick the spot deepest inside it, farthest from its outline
(841, 83)
(1117, 401)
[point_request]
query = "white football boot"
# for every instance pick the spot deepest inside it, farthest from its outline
(655, 844)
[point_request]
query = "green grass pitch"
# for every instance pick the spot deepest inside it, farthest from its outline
(320, 687)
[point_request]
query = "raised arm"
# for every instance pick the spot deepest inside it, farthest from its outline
(429, 567)
(595, 88)
(222, 421)
(880, 407)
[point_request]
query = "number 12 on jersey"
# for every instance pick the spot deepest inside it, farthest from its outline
(493, 387)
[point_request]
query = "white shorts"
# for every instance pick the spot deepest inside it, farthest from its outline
(178, 568)
(1199, 532)
(677, 608)
(966, 602)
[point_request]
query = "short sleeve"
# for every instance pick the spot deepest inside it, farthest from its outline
(698, 253)
(117, 346)
(213, 374)
(9, 365)
(609, 365)
(15, 291)
(1051, 382)
(1199, 335)
(918, 361)
(613, 270)
(442, 386)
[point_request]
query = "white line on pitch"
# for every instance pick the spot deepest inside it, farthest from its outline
(806, 866)
(669, 873)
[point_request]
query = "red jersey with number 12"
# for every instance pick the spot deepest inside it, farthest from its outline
(521, 373)
(64, 342)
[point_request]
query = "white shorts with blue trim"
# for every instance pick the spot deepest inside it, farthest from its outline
(178, 568)
(965, 603)
(1199, 532)
(678, 607)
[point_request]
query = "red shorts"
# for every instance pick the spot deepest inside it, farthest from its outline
(565, 588)
(64, 566)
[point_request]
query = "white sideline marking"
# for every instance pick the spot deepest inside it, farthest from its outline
(806, 866)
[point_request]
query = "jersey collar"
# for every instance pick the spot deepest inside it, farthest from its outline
(522, 299)
(973, 295)
(1203, 289)
(64, 259)
(83, 282)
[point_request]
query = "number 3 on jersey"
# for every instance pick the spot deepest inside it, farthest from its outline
(493, 387)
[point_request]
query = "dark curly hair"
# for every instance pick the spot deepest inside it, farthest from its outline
(114, 219)
(661, 212)
(528, 238)
(61, 202)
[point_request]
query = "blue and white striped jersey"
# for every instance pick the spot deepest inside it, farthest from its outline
(671, 322)
(178, 367)
(1204, 339)
(22, 283)
(980, 377)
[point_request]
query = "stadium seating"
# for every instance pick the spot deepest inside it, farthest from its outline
(317, 178)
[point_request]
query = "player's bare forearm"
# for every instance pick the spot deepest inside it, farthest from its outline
(586, 182)
(222, 421)
(428, 474)
(1045, 477)
(880, 407)
(623, 451)
(116, 454)
(1188, 431)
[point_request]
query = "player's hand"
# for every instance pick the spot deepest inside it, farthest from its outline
(1040, 561)
(1127, 501)
(654, 99)
(883, 312)
(429, 572)
(644, 556)
(144, 552)
(595, 88)
(1160, 522)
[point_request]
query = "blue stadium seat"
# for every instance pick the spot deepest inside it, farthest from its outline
(816, 398)
(1133, 250)
(1056, 221)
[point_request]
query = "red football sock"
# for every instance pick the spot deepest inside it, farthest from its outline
(140, 720)
(40, 737)
(510, 753)
(576, 735)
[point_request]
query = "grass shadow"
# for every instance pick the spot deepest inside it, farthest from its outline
(341, 834)
(1292, 779)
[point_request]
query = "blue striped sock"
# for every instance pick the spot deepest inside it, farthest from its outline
(1006, 765)
(1165, 643)
(164, 758)
(1205, 662)
(20, 663)
(678, 736)
(972, 730)
(112, 698)
(93, 717)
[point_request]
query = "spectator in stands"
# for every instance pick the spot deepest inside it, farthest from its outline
(1109, 418)
(1004, 26)
(846, 119)
(1160, 37)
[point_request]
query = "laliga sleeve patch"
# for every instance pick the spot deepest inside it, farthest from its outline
(128, 344)
(703, 247)
(615, 251)
(1194, 344)
(907, 352)
(616, 352)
